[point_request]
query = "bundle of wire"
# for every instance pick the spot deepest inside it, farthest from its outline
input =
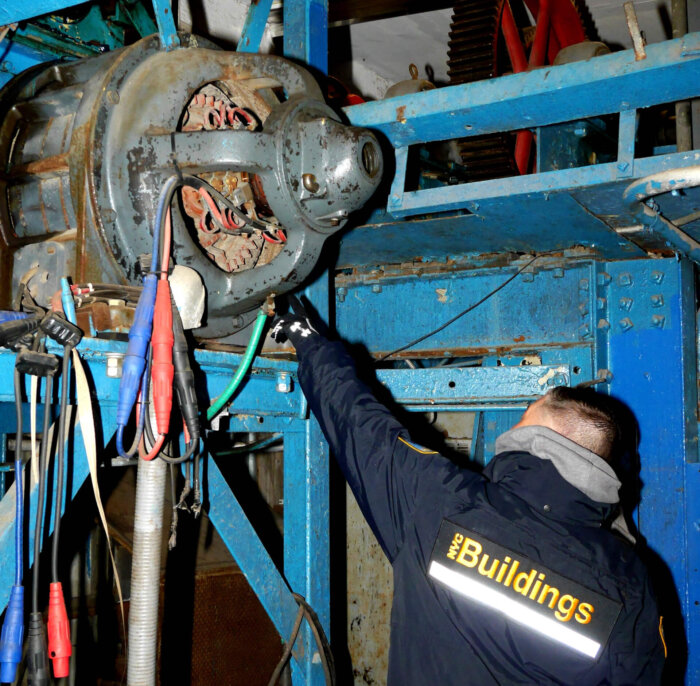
(12, 636)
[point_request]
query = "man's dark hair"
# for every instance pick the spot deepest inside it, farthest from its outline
(585, 417)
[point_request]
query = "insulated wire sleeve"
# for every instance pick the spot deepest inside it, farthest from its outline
(250, 447)
(43, 456)
(60, 459)
(324, 649)
(19, 491)
(461, 314)
(242, 370)
(166, 196)
(287, 648)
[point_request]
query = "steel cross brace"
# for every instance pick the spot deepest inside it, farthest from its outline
(603, 85)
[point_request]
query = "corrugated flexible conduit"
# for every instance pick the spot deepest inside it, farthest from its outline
(145, 573)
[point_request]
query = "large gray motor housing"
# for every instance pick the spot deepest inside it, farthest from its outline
(88, 145)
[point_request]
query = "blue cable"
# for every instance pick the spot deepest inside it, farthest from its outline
(12, 635)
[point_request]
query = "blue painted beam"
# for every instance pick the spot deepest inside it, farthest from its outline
(473, 385)
(602, 85)
(548, 211)
(652, 354)
(306, 33)
(306, 533)
(166, 24)
(239, 536)
(12, 11)
(254, 26)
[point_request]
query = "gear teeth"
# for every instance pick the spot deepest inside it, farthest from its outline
(472, 55)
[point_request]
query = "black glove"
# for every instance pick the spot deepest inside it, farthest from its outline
(296, 326)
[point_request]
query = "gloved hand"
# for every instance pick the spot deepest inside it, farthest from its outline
(294, 326)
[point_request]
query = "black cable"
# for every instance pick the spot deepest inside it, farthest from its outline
(19, 561)
(60, 459)
(461, 314)
(289, 646)
(43, 455)
(191, 446)
(324, 648)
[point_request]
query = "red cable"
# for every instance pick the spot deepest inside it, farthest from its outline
(154, 450)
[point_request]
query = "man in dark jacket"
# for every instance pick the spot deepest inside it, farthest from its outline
(519, 575)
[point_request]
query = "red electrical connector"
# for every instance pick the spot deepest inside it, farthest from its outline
(162, 370)
(60, 648)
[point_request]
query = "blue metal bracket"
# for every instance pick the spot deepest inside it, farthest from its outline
(268, 584)
(464, 387)
(306, 33)
(254, 27)
(12, 11)
(166, 24)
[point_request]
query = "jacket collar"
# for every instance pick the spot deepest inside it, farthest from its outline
(557, 477)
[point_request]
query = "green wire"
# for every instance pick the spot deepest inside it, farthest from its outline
(242, 370)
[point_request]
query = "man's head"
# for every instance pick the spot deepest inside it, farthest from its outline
(581, 415)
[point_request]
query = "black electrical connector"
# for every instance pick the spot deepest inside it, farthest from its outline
(37, 652)
(184, 378)
(58, 328)
(11, 332)
(36, 363)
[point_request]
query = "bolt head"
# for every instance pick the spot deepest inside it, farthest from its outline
(376, 288)
(657, 276)
(558, 273)
(657, 300)
(603, 324)
(283, 383)
(626, 324)
(626, 304)
(624, 279)
(395, 200)
(583, 284)
(658, 321)
(603, 279)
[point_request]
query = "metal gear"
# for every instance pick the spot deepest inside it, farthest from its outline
(477, 51)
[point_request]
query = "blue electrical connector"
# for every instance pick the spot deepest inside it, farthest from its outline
(12, 636)
(135, 359)
(11, 315)
(67, 301)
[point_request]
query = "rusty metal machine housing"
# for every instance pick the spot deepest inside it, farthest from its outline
(88, 145)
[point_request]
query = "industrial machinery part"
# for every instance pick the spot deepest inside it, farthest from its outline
(486, 40)
(88, 145)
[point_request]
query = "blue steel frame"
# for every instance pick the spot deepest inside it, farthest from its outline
(600, 310)
(631, 323)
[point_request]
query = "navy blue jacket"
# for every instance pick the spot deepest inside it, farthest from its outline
(437, 636)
